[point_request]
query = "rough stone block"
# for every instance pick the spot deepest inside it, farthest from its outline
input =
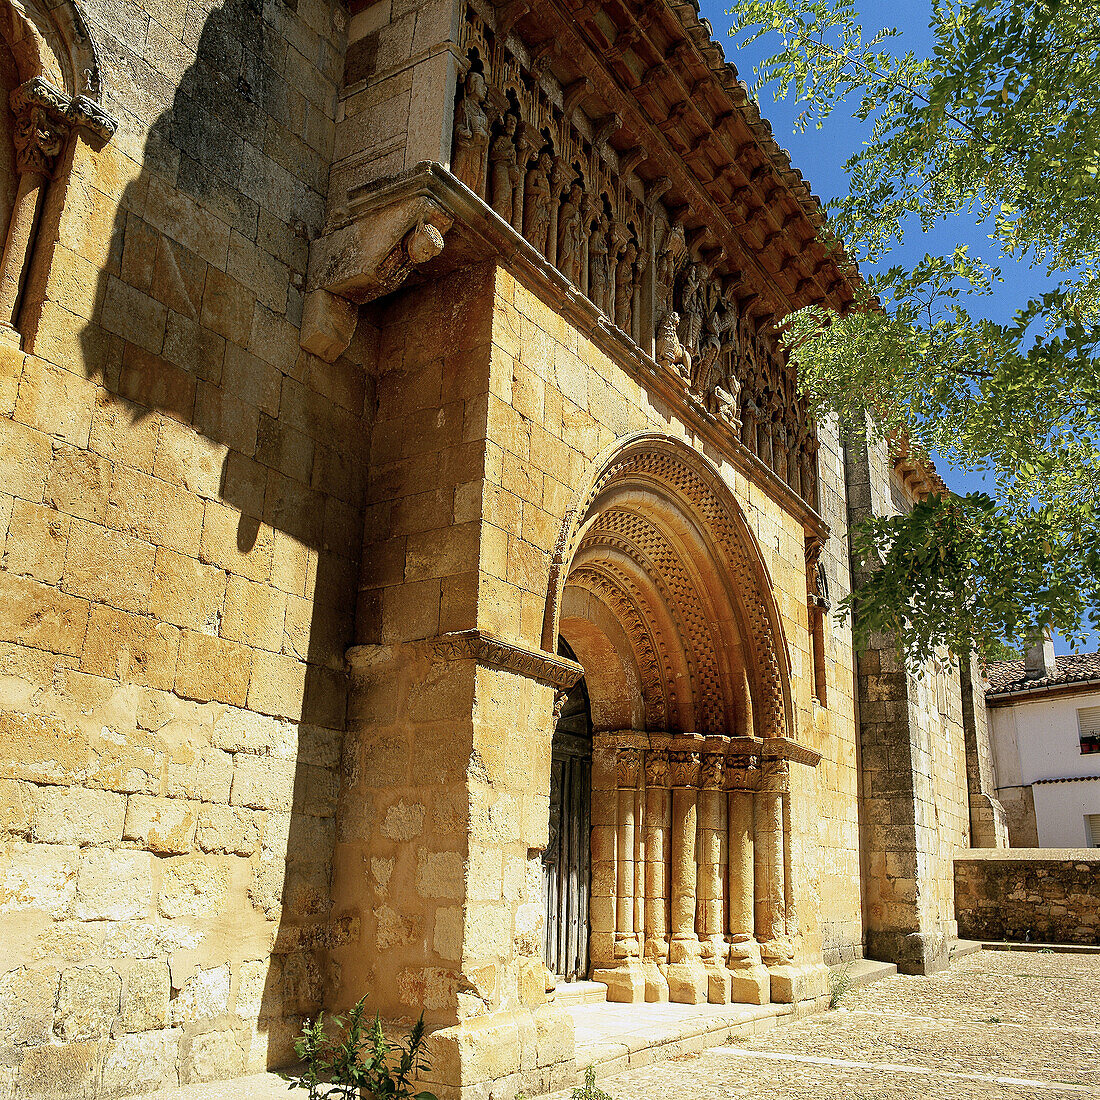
(27, 998)
(192, 886)
(213, 1056)
(203, 996)
(143, 1062)
(87, 1003)
(114, 885)
(163, 825)
(75, 815)
(262, 782)
(145, 993)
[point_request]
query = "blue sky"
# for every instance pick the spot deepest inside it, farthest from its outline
(820, 156)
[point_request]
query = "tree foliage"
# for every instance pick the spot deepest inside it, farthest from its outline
(999, 123)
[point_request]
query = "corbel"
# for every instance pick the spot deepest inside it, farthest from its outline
(510, 14)
(655, 190)
(369, 255)
(604, 128)
(573, 94)
(631, 158)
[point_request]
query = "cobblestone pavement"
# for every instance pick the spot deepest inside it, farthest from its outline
(1008, 1024)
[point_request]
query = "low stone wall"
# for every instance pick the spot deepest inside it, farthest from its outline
(1037, 895)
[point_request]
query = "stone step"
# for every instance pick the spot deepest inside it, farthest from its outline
(860, 972)
(569, 994)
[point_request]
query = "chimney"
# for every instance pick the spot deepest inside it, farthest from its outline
(1039, 661)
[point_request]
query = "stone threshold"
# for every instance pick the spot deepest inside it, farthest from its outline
(613, 1037)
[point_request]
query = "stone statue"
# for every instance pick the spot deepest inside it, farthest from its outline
(570, 230)
(624, 287)
(670, 352)
(504, 169)
(599, 274)
(693, 305)
(727, 397)
(536, 202)
(471, 134)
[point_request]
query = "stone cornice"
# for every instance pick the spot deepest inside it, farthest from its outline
(473, 232)
(486, 649)
(691, 88)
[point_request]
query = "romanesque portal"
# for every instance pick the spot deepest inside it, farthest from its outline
(666, 604)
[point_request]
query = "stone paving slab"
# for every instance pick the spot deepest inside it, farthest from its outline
(996, 1024)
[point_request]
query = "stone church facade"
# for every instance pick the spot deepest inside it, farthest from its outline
(417, 560)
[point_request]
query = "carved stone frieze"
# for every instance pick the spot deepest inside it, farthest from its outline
(710, 771)
(539, 153)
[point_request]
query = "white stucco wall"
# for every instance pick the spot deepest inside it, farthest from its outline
(1038, 739)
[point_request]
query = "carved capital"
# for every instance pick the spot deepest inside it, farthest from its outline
(710, 771)
(740, 775)
(627, 762)
(40, 126)
(656, 768)
(775, 777)
(684, 768)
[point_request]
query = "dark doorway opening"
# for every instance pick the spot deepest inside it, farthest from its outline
(566, 862)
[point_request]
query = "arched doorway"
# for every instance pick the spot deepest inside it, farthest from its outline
(661, 594)
(566, 859)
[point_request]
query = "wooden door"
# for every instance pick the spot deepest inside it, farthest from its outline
(566, 861)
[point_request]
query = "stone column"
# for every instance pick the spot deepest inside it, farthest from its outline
(711, 902)
(624, 981)
(658, 818)
(768, 834)
(38, 139)
(687, 979)
(626, 763)
(749, 979)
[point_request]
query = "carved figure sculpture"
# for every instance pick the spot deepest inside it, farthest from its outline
(624, 287)
(670, 352)
(727, 398)
(693, 305)
(570, 239)
(536, 202)
(504, 169)
(472, 134)
(599, 275)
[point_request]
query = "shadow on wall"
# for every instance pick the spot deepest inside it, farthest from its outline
(195, 334)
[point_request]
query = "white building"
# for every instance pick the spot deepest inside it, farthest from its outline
(1044, 721)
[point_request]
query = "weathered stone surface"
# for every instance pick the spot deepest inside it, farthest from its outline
(27, 998)
(191, 886)
(142, 1063)
(1028, 894)
(212, 1056)
(203, 996)
(163, 825)
(73, 815)
(114, 885)
(87, 1003)
(145, 992)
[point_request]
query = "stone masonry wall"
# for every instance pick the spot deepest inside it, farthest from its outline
(1036, 895)
(915, 806)
(181, 517)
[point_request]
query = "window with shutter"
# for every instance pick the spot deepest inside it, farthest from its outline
(1092, 830)
(1088, 725)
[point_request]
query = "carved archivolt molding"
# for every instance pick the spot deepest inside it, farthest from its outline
(650, 658)
(684, 479)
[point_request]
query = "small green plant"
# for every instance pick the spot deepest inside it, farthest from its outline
(355, 1061)
(993, 1020)
(840, 982)
(590, 1090)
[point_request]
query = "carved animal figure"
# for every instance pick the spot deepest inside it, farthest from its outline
(670, 352)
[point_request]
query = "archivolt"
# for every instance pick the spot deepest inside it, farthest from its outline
(663, 505)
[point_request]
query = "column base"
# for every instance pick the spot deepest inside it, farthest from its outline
(656, 985)
(687, 977)
(626, 983)
(718, 977)
(792, 983)
(750, 982)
